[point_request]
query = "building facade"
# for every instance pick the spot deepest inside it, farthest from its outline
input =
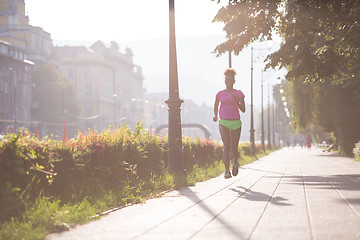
(15, 88)
(22, 46)
(15, 29)
(108, 86)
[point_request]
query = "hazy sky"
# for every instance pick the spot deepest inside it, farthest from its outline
(134, 23)
(121, 20)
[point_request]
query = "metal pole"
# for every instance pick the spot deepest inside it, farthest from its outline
(114, 95)
(278, 126)
(269, 134)
(114, 110)
(273, 123)
(13, 80)
(230, 59)
(63, 109)
(262, 113)
(252, 138)
(175, 157)
(63, 98)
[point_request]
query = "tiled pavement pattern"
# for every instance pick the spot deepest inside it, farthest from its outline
(290, 194)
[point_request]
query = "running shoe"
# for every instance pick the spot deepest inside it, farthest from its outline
(227, 174)
(235, 169)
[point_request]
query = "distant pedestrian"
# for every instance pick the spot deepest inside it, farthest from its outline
(287, 141)
(231, 100)
(308, 140)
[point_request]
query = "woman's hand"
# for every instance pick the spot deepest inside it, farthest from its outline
(235, 99)
(215, 119)
(240, 103)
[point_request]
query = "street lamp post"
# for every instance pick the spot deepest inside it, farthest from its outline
(230, 59)
(273, 125)
(269, 134)
(175, 157)
(252, 130)
(115, 105)
(262, 113)
(252, 138)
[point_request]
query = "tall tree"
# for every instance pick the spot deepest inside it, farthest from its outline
(53, 94)
(321, 42)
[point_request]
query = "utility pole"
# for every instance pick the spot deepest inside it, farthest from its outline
(252, 137)
(230, 59)
(269, 138)
(262, 112)
(273, 125)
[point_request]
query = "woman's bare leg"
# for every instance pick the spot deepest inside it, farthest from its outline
(225, 137)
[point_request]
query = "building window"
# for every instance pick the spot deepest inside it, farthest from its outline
(87, 75)
(88, 89)
(88, 109)
(2, 85)
(88, 83)
(2, 103)
(71, 73)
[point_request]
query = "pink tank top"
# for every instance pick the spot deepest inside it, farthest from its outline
(228, 108)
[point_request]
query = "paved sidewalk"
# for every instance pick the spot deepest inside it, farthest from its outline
(289, 194)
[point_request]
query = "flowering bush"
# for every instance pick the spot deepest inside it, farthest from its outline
(246, 149)
(200, 152)
(91, 162)
(26, 170)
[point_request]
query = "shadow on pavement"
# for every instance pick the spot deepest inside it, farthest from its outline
(353, 201)
(329, 155)
(259, 196)
(187, 192)
(340, 182)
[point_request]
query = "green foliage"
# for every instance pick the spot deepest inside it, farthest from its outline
(320, 49)
(200, 152)
(46, 215)
(26, 170)
(49, 186)
(356, 150)
(245, 22)
(53, 94)
(321, 37)
(246, 149)
(302, 97)
(198, 174)
(91, 164)
(332, 107)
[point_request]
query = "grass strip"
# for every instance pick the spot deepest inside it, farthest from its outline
(48, 215)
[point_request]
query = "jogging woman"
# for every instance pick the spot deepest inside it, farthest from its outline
(231, 100)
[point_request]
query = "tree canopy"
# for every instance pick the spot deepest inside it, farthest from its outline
(320, 49)
(53, 94)
(321, 38)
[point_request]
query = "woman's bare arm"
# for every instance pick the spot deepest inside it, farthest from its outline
(241, 105)
(216, 109)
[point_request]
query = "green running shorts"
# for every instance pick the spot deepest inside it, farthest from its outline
(231, 124)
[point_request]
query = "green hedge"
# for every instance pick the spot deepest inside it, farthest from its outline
(356, 151)
(90, 163)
